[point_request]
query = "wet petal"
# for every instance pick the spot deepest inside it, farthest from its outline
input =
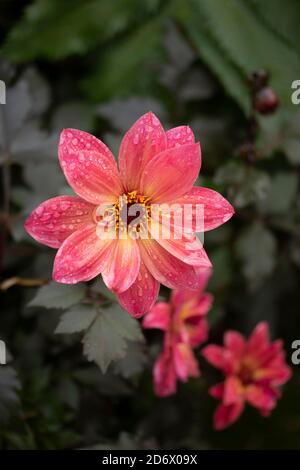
(81, 257)
(144, 139)
(168, 269)
(188, 248)
(180, 135)
(171, 173)
(89, 167)
(203, 209)
(123, 266)
(141, 295)
(55, 219)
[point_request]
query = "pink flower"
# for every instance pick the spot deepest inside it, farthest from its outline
(253, 370)
(185, 326)
(155, 167)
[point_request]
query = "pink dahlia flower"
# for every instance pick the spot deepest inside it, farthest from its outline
(253, 370)
(183, 320)
(155, 167)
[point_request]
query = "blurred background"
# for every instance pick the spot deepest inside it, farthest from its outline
(224, 67)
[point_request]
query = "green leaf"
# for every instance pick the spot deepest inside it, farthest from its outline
(65, 28)
(241, 35)
(286, 25)
(55, 295)
(106, 340)
(78, 318)
(116, 72)
(210, 50)
(134, 361)
(257, 249)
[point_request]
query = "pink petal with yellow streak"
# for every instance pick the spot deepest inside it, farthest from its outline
(81, 257)
(226, 415)
(198, 330)
(277, 373)
(141, 295)
(205, 209)
(171, 173)
(263, 398)
(55, 219)
(144, 139)
(168, 269)
(180, 135)
(123, 265)
(232, 390)
(158, 317)
(164, 374)
(89, 167)
(185, 362)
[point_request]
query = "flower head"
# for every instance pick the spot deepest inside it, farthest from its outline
(155, 168)
(183, 320)
(253, 370)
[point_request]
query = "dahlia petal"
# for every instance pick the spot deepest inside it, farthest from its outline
(217, 391)
(185, 362)
(81, 257)
(259, 340)
(188, 248)
(226, 415)
(181, 296)
(235, 342)
(204, 305)
(214, 355)
(164, 374)
(204, 209)
(167, 269)
(198, 332)
(141, 295)
(158, 317)
(143, 140)
(263, 398)
(89, 167)
(232, 390)
(171, 173)
(55, 219)
(123, 265)
(180, 135)
(277, 374)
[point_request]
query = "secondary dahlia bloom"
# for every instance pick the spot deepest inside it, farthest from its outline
(253, 370)
(183, 320)
(155, 167)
